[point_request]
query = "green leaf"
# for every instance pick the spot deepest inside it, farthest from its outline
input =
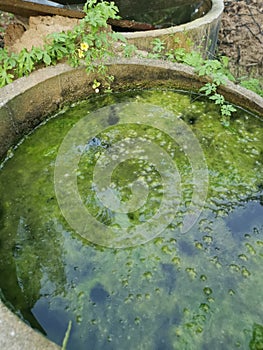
(227, 110)
(158, 45)
(129, 50)
(193, 59)
(253, 85)
(179, 54)
(5, 77)
(208, 88)
(118, 36)
(25, 63)
(47, 59)
(219, 78)
(217, 98)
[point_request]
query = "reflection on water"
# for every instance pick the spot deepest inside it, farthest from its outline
(163, 14)
(199, 290)
(160, 14)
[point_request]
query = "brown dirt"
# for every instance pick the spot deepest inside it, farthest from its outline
(18, 37)
(240, 37)
(5, 19)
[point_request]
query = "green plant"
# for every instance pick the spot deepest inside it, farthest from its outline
(216, 70)
(6, 76)
(129, 50)
(253, 84)
(158, 45)
(89, 41)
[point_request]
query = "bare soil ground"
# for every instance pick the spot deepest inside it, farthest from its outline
(240, 36)
(37, 28)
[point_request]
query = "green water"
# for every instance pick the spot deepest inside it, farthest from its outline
(196, 290)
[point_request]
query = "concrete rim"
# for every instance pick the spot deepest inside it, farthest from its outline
(28, 101)
(213, 14)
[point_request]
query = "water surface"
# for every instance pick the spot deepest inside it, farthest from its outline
(198, 290)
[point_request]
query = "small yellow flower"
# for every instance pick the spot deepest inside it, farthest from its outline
(84, 46)
(81, 53)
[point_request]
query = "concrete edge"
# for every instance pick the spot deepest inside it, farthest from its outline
(17, 335)
(212, 15)
(20, 86)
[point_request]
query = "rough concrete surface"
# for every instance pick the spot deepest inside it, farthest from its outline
(16, 335)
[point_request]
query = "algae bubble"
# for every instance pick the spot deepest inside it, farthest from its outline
(199, 288)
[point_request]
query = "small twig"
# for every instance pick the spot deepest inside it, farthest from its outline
(256, 37)
(247, 26)
(66, 338)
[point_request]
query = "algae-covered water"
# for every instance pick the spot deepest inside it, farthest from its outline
(200, 289)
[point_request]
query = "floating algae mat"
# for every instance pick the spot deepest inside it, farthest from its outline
(137, 217)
